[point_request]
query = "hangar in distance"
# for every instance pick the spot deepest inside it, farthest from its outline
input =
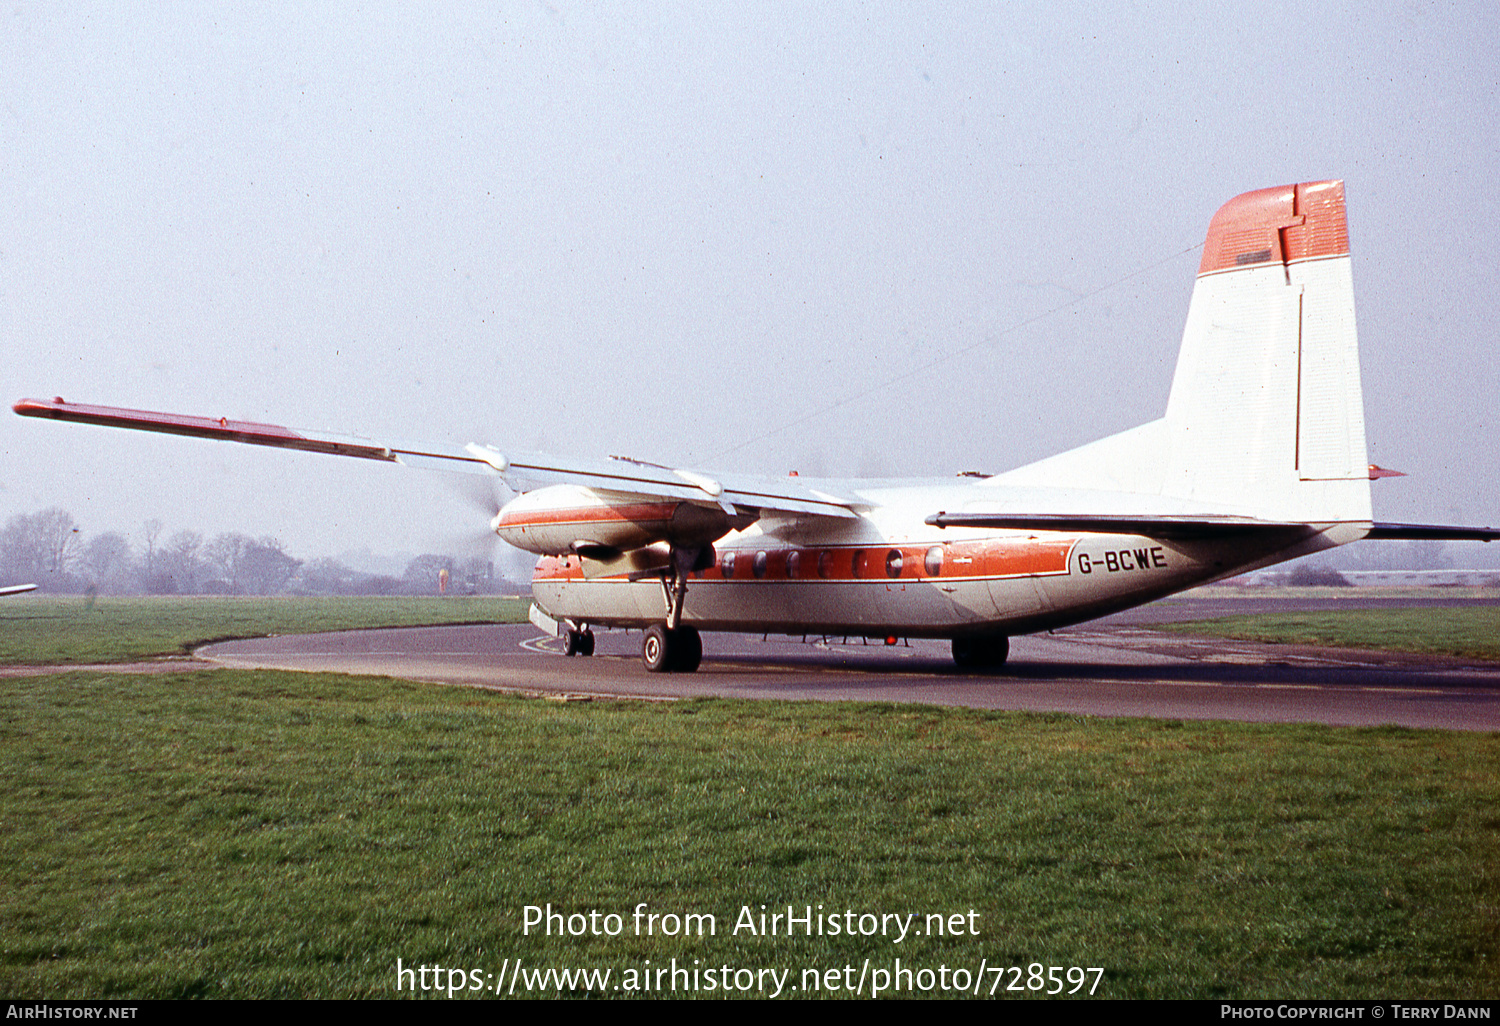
(1259, 458)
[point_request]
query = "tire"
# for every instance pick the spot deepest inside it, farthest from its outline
(687, 650)
(981, 653)
(586, 644)
(572, 643)
(656, 649)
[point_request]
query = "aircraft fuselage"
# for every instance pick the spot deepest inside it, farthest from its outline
(889, 573)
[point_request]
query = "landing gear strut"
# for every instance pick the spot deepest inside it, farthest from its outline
(981, 653)
(671, 651)
(671, 647)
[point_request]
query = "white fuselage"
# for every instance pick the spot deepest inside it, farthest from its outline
(887, 573)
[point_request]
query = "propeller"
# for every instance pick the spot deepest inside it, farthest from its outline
(475, 538)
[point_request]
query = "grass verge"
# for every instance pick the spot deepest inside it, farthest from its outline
(48, 630)
(260, 834)
(1470, 632)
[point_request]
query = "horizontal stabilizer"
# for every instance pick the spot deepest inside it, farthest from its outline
(1430, 532)
(1167, 526)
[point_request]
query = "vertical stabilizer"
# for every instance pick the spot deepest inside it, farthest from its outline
(1266, 413)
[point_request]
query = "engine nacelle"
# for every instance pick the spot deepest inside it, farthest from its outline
(566, 519)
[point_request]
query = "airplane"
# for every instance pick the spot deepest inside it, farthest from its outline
(16, 589)
(1259, 458)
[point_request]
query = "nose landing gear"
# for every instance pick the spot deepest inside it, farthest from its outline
(578, 643)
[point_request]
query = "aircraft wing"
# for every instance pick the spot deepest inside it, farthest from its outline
(521, 471)
(16, 589)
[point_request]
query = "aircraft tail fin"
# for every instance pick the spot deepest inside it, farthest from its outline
(1266, 412)
(1266, 416)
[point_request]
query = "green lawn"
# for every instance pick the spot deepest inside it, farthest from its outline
(262, 834)
(73, 629)
(1471, 632)
(239, 834)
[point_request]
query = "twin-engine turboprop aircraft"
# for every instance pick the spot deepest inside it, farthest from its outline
(1260, 458)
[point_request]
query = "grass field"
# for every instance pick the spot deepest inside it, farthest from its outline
(1465, 631)
(233, 834)
(44, 630)
(258, 834)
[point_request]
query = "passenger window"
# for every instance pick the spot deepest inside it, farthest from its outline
(759, 565)
(793, 563)
(933, 564)
(893, 564)
(726, 565)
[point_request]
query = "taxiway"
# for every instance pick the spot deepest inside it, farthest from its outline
(1113, 667)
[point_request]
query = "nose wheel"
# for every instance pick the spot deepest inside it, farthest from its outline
(671, 651)
(578, 643)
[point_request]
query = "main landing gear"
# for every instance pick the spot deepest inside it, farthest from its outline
(670, 647)
(981, 653)
(671, 651)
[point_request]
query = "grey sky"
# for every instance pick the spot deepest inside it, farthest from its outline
(666, 230)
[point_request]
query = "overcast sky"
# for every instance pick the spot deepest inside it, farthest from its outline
(842, 238)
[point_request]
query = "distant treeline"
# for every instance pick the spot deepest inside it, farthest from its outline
(48, 549)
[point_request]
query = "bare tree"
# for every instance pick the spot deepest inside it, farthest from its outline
(181, 566)
(39, 546)
(18, 551)
(60, 537)
(152, 530)
(106, 561)
(225, 556)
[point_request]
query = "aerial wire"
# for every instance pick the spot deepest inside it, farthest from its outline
(988, 340)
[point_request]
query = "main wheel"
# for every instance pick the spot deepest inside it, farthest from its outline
(573, 643)
(656, 649)
(586, 644)
(687, 650)
(981, 653)
(665, 651)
